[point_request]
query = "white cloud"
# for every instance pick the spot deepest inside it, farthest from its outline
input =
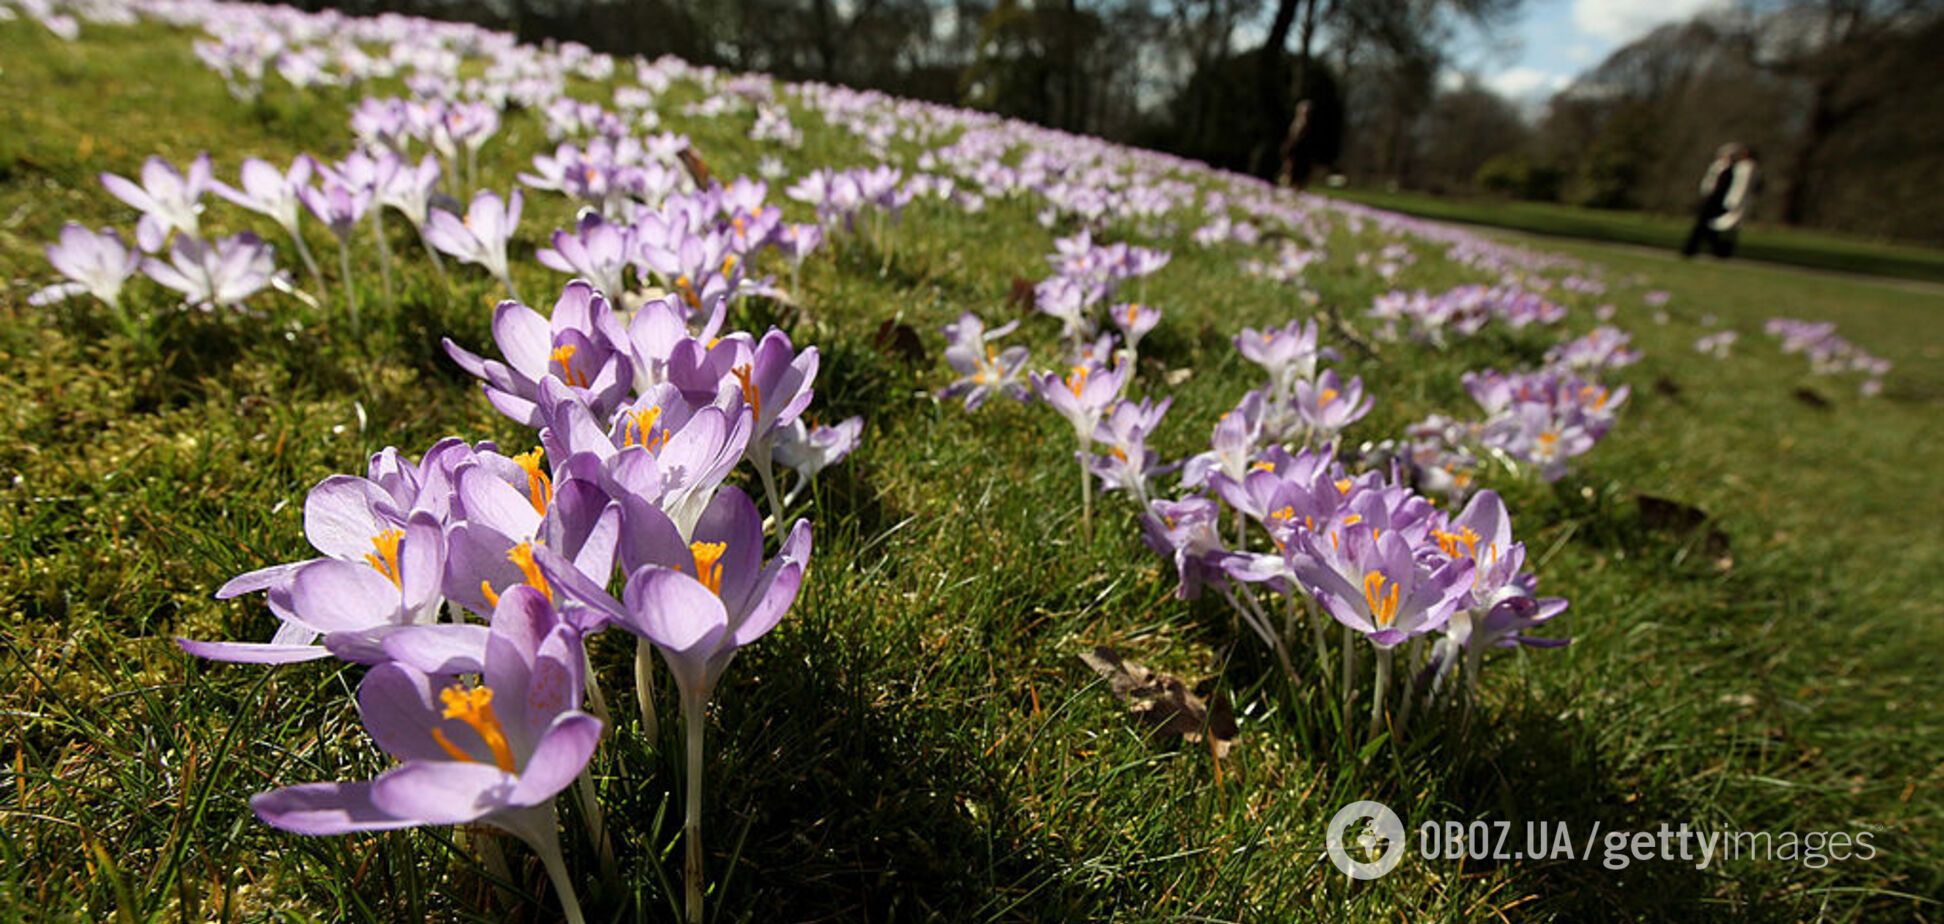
(1620, 21)
(1526, 83)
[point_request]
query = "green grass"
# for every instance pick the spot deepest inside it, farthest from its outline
(918, 739)
(1768, 243)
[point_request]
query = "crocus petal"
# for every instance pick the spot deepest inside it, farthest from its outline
(559, 757)
(325, 808)
(399, 707)
(442, 649)
(442, 792)
(253, 652)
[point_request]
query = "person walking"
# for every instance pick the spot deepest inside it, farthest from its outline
(1727, 191)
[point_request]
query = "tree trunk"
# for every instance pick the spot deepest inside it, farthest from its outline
(1815, 133)
(1270, 91)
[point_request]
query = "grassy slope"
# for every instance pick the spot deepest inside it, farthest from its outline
(1816, 249)
(918, 739)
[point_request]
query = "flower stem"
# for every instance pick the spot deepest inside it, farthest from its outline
(645, 689)
(590, 802)
(1349, 673)
(310, 262)
(765, 472)
(433, 252)
(1383, 683)
(1318, 640)
(557, 874)
(350, 290)
(693, 708)
(384, 252)
(1086, 495)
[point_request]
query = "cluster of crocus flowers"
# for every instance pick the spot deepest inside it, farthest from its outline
(1828, 352)
(1302, 402)
(1461, 311)
(983, 368)
(471, 576)
(1363, 551)
(207, 273)
(1536, 421)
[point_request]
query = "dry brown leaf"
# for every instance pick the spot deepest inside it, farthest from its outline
(1164, 702)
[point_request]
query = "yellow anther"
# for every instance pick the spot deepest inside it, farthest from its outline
(492, 596)
(474, 707)
(1264, 466)
(385, 559)
(1287, 513)
(728, 264)
(1450, 542)
(1328, 395)
(1353, 519)
(1133, 311)
(750, 392)
(1382, 605)
(539, 483)
(1077, 380)
(1118, 452)
(1343, 485)
(688, 292)
(522, 556)
(640, 430)
(708, 564)
(563, 356)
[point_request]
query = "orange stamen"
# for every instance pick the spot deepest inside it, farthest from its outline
(475, 708)
(385, 559)
(539, 483)
(708, 564)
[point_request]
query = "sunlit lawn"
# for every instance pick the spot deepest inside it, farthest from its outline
(919, 740)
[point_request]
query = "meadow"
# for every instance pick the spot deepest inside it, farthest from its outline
(1762, 241)
(1751, 556)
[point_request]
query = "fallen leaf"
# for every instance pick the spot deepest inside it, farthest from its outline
(900, 340)
(697, 170)
(1021, 294)
(1165, 703)
(1660, 514)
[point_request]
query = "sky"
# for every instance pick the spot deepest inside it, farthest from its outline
(1556, 39)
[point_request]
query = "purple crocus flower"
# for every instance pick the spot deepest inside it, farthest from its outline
(339, 205)
(701, 601)
(1186, 532)
(382, 568)
(168, 200)
(222, 274)
(480, 237)
(1083, 396)
(1128, 463)
(698, 605)
(504, 511)
(810, 450)
(982, 368)
(272, 193)
(1134, 322)
(599, 250)
(1287, 353)
(583, 346)
(493, 752)
(95, 263)
(1233, 444)
(1329, 404)
(1375, 583)
(662, 451)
